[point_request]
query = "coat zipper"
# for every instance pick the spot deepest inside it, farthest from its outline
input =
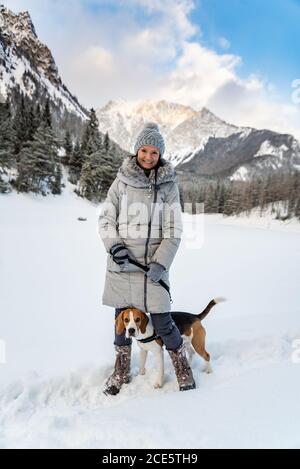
(147, 243)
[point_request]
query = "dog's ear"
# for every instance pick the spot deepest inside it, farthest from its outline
(120, 323)
(144, 322)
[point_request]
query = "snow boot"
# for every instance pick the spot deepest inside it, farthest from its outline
(121, 373)
(182, 369)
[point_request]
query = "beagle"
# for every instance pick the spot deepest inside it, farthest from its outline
(138, 325)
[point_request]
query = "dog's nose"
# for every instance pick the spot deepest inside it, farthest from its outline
(131, 331)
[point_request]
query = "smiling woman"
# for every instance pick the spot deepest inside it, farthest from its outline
(147, 182)
(148, 157)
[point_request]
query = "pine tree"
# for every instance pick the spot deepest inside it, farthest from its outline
(297, 208)
(220, 196)
(68, 147)
(19, 121)
(91, 140)
(231, 202)
(294, 194)
(211, 202)
(56, 181)
(98, 173)
(7, 137)
(37, 117)
(46, 115)
(34, 119)
(75, 164)
(39, 165)
(25, 122)
(106, 142)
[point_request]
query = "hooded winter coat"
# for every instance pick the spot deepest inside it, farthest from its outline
(144, 214)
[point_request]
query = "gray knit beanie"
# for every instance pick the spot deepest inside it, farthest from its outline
(150, 135)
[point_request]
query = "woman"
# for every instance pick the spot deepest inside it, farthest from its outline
(141, 220)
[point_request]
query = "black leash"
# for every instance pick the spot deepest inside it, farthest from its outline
(142, 267)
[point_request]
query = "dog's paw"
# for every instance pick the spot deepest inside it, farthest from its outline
(142, 371)
(157, 385)
(208, 369)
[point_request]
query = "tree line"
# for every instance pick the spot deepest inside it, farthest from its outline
(32, 156)
(234, 197)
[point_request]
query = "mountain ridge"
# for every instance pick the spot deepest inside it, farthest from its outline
(193, 137)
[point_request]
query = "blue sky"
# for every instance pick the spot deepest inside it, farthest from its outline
(237, 57)
(265, 33)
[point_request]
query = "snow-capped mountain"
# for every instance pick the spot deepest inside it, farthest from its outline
(184, 128)
(200, 142)
(27, 66)
(243, 155)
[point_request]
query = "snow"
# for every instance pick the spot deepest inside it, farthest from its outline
(246, 132)
(3, 90)
(183, 158)
(240, 174)
(267, 148)
(58, 337)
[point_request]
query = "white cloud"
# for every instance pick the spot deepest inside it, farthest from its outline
(197, 74)
(150, 42)
(96, 58)
(201, 77)
(176, 11)
(255, 107)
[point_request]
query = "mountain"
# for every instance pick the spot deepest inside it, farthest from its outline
(27, 66)
(200, 143)
(243, 155)
(184, 128)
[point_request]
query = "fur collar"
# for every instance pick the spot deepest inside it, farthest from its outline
(130, 173)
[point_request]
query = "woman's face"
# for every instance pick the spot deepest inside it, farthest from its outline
(148, 156)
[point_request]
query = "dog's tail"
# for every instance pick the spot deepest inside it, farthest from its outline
(209, 306)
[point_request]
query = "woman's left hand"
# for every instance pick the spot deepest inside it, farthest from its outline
(155, 271)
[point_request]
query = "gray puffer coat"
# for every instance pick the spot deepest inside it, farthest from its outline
(144, 214)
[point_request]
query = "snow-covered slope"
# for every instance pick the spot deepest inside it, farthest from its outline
(58, 336)
(26, 64)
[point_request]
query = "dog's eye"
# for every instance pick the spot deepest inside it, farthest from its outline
(126, 320)
(137, 320)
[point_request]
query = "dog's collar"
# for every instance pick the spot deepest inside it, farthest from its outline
(148, 339)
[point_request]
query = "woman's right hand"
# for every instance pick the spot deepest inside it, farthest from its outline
(119, 254)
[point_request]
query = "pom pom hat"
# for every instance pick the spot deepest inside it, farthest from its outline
(150, 135)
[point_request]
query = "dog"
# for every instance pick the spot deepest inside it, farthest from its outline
(138, 325)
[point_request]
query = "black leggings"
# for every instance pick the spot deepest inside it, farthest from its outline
(164, 326)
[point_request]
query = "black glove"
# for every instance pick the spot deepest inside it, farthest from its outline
(119, 254)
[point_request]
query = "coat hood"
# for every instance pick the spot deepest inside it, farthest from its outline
(132, 174)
